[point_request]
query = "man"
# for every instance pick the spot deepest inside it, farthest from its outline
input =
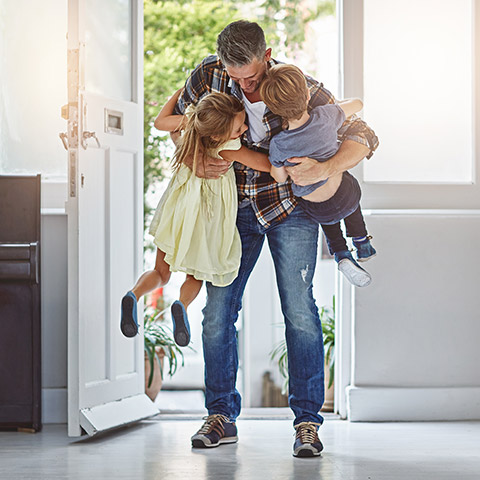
(266, 209)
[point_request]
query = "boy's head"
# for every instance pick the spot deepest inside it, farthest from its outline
(285, 92)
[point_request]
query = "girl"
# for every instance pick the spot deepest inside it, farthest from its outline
(194, 224)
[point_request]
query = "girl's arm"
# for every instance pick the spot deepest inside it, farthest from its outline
(280, 174)
(250, 158)
(350, 106)
(165, 119)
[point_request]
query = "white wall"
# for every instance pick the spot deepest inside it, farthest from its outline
(54, 315)
(416, 327)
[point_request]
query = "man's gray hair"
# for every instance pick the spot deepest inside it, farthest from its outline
(239, 43)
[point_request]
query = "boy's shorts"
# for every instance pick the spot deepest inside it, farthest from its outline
(343, 203)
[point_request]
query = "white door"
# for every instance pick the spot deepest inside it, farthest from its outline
(105, 210)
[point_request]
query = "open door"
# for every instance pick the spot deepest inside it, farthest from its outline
(105, 212)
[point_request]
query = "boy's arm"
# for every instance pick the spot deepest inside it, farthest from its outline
(350, 106)
(166, 120)
(250, 158)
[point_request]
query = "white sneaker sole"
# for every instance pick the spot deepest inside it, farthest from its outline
(355, 275)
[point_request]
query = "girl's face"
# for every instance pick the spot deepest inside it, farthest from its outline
(238, 125)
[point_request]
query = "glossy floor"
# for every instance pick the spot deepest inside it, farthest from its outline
(160, 449)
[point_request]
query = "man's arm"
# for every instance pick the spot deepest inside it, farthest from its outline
(309, 170)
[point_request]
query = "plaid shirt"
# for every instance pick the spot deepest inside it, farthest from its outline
(271, 201)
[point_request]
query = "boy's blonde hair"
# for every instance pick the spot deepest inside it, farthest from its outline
(212, 116)
(285, 92)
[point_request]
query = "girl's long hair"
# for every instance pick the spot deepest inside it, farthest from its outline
(212, 116)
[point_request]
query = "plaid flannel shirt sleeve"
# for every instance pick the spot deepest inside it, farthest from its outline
(353, 128)
(196, 86)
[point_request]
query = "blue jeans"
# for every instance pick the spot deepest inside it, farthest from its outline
(293, 245)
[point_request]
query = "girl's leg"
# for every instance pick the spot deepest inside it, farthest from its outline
(153, 279)
(188, 292)
(148, 281)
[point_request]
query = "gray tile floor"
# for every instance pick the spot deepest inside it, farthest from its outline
(160, 449)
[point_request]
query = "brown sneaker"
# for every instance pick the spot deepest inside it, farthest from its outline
(216, 430)
(307, 443)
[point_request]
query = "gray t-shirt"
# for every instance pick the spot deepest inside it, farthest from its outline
(317, 138)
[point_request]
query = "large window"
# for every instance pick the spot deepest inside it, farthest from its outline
(418, 90)
(33, 86)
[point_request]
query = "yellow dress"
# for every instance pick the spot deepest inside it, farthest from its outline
(195, 224)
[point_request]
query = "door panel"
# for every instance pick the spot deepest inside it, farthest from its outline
(105, 209)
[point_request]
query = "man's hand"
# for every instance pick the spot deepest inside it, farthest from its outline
(208, 167)
(308, 171)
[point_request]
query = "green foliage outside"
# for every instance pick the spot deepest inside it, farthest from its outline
(179, 34)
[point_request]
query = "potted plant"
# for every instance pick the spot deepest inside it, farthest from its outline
(159, 343)
(279, 355)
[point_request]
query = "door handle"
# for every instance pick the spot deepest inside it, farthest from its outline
(63, 137)
(86, 136)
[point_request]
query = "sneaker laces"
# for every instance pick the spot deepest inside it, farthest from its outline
(307, 432)
(214, 423)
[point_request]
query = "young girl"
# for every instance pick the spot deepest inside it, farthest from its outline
(194, 224)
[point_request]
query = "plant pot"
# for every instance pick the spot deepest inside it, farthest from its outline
(157, 381)
(328, 403)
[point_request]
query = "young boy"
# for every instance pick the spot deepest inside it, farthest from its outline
(285, 92)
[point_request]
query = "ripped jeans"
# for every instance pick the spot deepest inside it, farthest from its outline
(293, 246)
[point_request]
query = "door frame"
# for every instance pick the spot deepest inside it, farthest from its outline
(405, 198)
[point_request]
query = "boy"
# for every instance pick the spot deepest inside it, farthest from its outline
(285, 92)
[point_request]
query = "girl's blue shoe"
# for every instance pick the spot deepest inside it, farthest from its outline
(128, 322)
(181, 327)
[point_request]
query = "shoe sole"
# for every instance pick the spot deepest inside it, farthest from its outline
(180, 330)
(127, 325)
(355, 275)
(307, 452)
(365, 259)
(199, 443)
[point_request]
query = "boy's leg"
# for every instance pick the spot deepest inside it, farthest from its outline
(337, 245)
(355, 226)
(147, 282)
(335, 240)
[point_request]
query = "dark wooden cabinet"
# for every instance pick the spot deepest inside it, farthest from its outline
(20, 334)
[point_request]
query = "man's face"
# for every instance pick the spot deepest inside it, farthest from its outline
(250, 76)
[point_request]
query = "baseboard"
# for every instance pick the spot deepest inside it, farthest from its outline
(54, 405)
(383, 404)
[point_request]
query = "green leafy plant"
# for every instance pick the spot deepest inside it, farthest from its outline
(280, 354)
(156, 335)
